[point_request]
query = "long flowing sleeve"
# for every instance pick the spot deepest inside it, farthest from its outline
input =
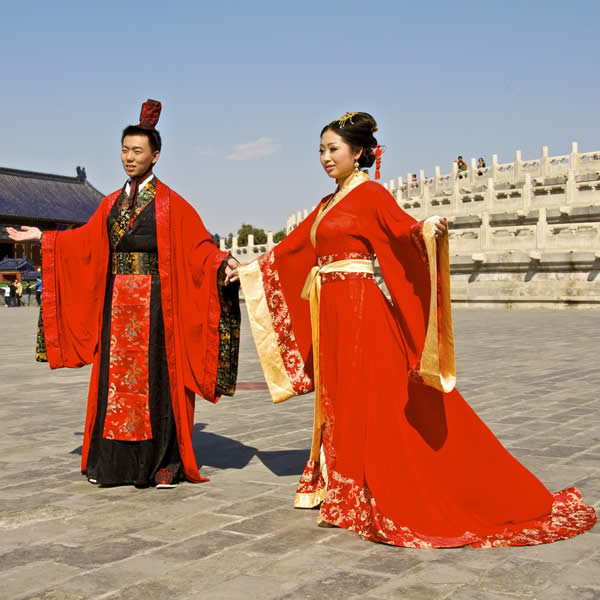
(74, 268)
(279, 317)
(198, 327)
(416, 269)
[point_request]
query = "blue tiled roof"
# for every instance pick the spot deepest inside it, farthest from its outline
(49, 197)
(16, 264)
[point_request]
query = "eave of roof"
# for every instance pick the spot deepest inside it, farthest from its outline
(46, 197)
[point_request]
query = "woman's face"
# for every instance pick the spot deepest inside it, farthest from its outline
(337, 157)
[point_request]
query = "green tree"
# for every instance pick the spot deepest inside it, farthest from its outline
(260, 236)
(278, 236)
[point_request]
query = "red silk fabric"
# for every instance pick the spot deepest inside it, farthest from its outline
(406, 464)
(75, 265)
(127, 411)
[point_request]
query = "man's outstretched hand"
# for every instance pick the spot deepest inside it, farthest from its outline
(26, 234)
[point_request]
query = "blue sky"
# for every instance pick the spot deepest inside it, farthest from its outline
(247, 86)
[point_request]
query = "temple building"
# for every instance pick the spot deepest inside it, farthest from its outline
(42, 200)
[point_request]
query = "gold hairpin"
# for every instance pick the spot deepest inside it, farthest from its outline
(342, 120)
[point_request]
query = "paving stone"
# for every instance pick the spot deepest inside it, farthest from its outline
(337, 585)
(523, 578)
(35, 575)
(238, 536)
(259, 504)
(180, 529)
(199, 546)
(245, 586)
(393, 564)
(397, 589)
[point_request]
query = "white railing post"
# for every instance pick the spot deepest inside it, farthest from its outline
(494, 167)
(484, 232)
(222, 244)
(425, 197)
(436, 180)
(473, 173)
(574, 156)
(540, 229)
(491, 194)
(518, 167)
(570, 187)
(399, 193)
(250, 244)
(544, 162)
(421, 181)
(270, 243)
(455, 188)
(234, 246)
(527, 192)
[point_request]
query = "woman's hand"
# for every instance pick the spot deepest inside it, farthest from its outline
(231, 270)
(27, 234)
(441, 226)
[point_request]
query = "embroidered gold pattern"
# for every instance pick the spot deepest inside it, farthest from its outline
(125, 220)
(135, 263)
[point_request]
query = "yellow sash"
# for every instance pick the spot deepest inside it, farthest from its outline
(312, 293)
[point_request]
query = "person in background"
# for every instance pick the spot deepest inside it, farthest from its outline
(19, 293)
(38, 290)
(462, 167)
(13, 293)
(480, 166)
(27, 290)
(6, 292)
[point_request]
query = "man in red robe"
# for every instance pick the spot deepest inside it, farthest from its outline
(159, 320)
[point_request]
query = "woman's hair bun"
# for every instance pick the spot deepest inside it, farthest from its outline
(357, 130)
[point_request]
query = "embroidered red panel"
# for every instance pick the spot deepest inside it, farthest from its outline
(311, 480)
(341, 276)
(127, 411)
(355, 255)
(351, 506)
(282, 324)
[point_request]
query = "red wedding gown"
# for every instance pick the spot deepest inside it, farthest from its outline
(398, 461)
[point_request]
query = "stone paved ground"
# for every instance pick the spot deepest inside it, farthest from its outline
(532, 375)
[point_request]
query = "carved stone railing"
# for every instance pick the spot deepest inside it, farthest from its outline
(246, 254)
(521, 232)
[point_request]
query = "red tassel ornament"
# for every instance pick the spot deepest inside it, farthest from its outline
(377, 151)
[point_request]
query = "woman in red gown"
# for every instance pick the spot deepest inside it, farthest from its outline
(398, 456)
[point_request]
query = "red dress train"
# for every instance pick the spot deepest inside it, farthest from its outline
(398, 461)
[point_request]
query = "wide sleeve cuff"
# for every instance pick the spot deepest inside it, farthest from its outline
(270, 319)
(49, 301)
(437, 367)
(264, 333)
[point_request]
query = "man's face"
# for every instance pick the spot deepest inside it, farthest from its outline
(136, 155)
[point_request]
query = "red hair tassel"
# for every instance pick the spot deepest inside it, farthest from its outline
(377, 151)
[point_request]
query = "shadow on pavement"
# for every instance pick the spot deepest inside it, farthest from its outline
(220, 452)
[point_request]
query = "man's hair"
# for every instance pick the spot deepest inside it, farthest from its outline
(152, 134)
